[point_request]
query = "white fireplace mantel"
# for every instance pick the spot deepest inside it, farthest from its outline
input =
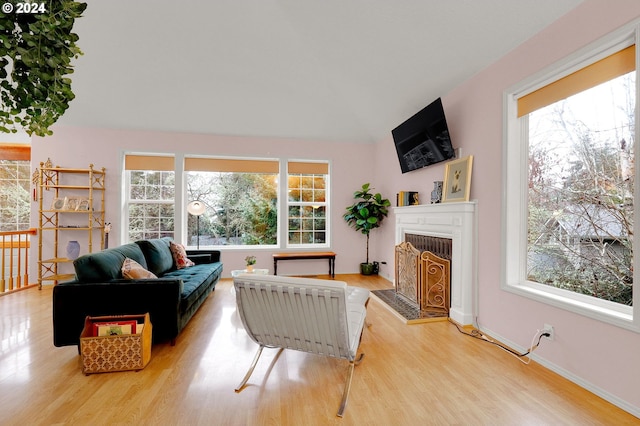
(458, 222)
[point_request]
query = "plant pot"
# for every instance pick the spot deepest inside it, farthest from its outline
(367, 268)
(249, 268)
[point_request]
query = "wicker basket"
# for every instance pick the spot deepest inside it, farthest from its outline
(104, 354)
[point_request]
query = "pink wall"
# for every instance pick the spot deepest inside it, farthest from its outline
(600, 357)
(350, 166)
(596, 355)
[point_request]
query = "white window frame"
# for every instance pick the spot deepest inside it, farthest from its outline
(129, 201)
(284, 211)
(5, 183)
(514, 191)
(232, 247)
(126, 200)
(180, 193)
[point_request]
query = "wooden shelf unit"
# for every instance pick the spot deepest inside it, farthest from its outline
(61, 184)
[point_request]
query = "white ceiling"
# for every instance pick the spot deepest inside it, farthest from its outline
(335, 70)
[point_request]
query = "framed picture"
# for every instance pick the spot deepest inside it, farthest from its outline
(59, 203)
(457, 180)
(72, 204)
(83, 205)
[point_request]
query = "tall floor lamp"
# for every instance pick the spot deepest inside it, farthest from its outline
(196, 208)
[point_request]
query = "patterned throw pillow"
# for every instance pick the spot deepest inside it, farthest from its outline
(180, 256)
(132, 270)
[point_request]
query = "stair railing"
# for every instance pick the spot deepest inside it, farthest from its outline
(14, 258)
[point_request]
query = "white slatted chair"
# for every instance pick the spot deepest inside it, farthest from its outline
(322, 317)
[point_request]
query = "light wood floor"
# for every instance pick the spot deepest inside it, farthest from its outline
(426, 374)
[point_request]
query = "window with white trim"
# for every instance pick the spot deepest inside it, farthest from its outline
(247, 202)
(15, 184)
(568, 199)
(307, 203)
(240, 198)
(150, 196)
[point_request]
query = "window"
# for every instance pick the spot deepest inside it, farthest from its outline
(15, 183)
(569, 184)
(241, 199)
(307, 203)
(248, 202)
(150, 189)
(581, 181)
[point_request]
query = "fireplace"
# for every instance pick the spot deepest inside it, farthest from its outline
(454, 222)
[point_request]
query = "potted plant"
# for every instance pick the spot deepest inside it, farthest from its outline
(250, 260)
(365, 214)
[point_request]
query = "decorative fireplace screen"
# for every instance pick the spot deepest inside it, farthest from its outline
(407, 272)
(435, 275)
(423, 278)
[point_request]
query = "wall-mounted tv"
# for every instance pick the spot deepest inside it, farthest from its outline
(423, 139)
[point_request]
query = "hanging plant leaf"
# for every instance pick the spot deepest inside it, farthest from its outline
(36, 51)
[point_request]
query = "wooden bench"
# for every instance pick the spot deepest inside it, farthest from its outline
(331, 256)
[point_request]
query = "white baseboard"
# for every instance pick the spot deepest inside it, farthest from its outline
(607, 396)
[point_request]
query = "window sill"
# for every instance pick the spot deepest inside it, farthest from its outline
(601, 310)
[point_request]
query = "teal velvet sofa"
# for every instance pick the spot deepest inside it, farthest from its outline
(99, 289)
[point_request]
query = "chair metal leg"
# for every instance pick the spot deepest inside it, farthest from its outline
(253, 365)
(347, 385)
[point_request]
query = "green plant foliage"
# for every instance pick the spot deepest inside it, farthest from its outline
(36, 50)
(367, 213)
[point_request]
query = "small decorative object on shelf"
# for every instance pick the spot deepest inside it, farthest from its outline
(457, 180)
(251, 260)
(71, 204)
(407, 198)
(73, 250)
(107, 229)
(436, 194)
(83, 205)
(58, 203)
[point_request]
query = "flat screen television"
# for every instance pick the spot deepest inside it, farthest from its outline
(423, 139)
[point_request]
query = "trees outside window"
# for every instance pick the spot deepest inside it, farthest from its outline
(580, 192)
(248, 202)
(307, 209)
(246, 205)
(151, 204)
(15, 183)
(241, 208)
(569, 183)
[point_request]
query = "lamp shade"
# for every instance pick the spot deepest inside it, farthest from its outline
(196, 208)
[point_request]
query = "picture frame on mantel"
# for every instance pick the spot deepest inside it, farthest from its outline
(457, 180)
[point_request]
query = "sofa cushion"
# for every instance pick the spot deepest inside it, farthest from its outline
(196, 280)
(106, 265)
(157, 254)
(132, 270)
(180, 258)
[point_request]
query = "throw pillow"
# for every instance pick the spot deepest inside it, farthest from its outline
(180, 256)
(132, 270)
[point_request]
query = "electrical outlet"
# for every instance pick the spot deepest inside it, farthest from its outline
(548, 329)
